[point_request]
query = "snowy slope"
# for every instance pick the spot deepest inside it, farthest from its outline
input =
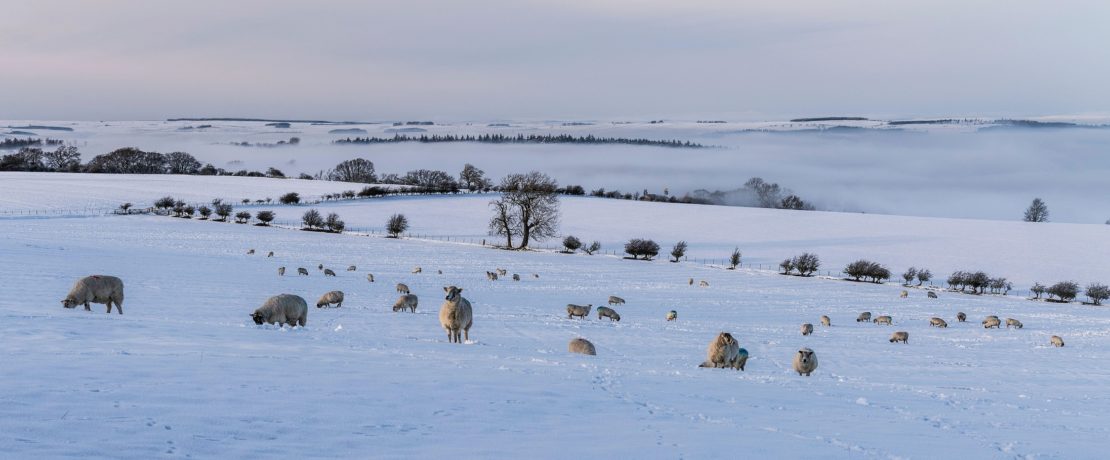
(185, 373)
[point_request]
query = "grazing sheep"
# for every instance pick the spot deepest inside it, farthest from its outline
(281, 271)
(536, 275)
(578, 310)
(328, 272)
(370, 277)
(1057, 341)
(282, 309)
(502, 272)
(406, 301)
(330, 297)
(691, 281)
(250, 252)
(864, 317)
(302, 271)
(807, 329)
(1013, 322)
(352, 268)
(900, 336)
(991, 321)
(703, 283)
(402, 288)
(931, 294)
(492, 276)
(606, 312)
(417, 270)
(270, 254)
(516, 277)
(614, 300)
(320, 267)
(103, 289)
(937, 322)
(904, 294)
(825, 321)
(456, 314)
(722, 352)
(961, 317)
(581, 346)
(805, 362)
(884, 320)
(672, 315)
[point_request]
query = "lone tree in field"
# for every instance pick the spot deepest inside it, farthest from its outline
(787, 266)
(592, 248)
(807, 263)
(356, 170)
(638, 247)
(224, 211)
(924, 276)
(571, 243)
(1064, 290)
(528, 207)
(333, 223)
(312, 220)
(290, 198)
(264, 218)
(1097, 292)
(909, 275)
(678, 251)
(396, 225)
(734, 259)
(473, 179)
(1037, 212)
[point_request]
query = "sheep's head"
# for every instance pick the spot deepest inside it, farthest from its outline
(452, 293)
(257, 317)
(806, 355)
(69, 302)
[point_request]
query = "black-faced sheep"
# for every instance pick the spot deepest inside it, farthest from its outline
(937, 322)
(1057, 341)
(406, 302)
(417, 270)
(807, 329)
(1010, 322)
(302, 271)
(352, 268)
(329, 298)
(370, 277)
(606, 312)
(900, 336)
(884, 320)
(864, 317)
(581, 346)
(103, 289)
(722, 352)
(614, 300)
(581, 311)
(672, 315)
(320, 267)
(402, 288)
(455, 315)
(991, 321)
(825, 321)
(961, 316)
(282, 309)
(281, 271)
(328, 272)
(805, 362)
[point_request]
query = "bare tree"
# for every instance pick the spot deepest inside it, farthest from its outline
(1037, 211)
(312, 219)
(355, 170)
(1097, 292)
(181, 163)
(787, 265)
(396, 225)
(571, 243)
(63, 159)
(678, 251)
(1038, 289)
(734, 259)
(473, 178)
(529, 207)
(593, 247)
(909, 275)
(504, 222)
(923, 276)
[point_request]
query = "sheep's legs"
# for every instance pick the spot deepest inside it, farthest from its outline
(87, 307)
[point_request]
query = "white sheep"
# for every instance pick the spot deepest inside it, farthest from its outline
(328, 272)
(492, 276)
(581, 346)
(900, 336)
(1010, 322)
(329, 298)
(402, 288)
(103, 289)
(606, 312)
(805, 361)
(884, 320)
(281, 271)
(807, 329)
(825, 321)
(991, 321)
(938, 322)
(456, 314)
(1057, 341)
(578, 310)
(417, 270)
(370, 277)
(302, 271)
(864, 317)
(406, 302)
(904, 294)
(282, 309)
(614, 300)
(722, 352)
(672, 315)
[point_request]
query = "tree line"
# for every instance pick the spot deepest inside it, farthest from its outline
(520, 139)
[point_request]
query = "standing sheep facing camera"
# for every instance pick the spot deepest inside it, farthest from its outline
(329, 298)
(614, 300)
(825, 321)
(807, 329)
(281, 271)
(864, 317)
(1014, 323)
(884, 320)
(456, 314)
(578, 310)
(805, 361)
(282, 309)
(938, 322)
(900, 336)
(406, 302)
(328, 272)
(606, 312)
(581, 346)
(722, 352)
(96, 289)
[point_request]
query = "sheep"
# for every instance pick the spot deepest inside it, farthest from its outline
(900, 336)
(691, 281)
(282, 309)
(536, 275)
(805, 361)
(606, 312)
(370, 277)
(741, 359)
(581, 346)
(440, 272)
(722, 352)
(884, 320)
(270, 254)
(703, 283)
(1013, 322)
(931, 294)
(516, 277)
(492, 276)
(250, 252)
(320, 267)
(864, 317)
(281, 271)
(672, 315)
(103, 289)
(825, 321)
(807, 329)
(904, 294)
(328, 272)
(402, 288)
(961, 317)
(1057, 341)
(302, 271)
(578, 310)
(330, 297)
(991, 321)
(502, 272)
(456, 314)
(417, 270)
(937, 322)
(352, 268)
(614, 300)
(406, 301)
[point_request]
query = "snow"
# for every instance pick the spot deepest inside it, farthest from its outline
(186, 373)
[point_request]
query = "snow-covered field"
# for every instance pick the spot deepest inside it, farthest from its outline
(185, 372)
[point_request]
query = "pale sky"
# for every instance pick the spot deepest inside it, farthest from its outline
(538, 59)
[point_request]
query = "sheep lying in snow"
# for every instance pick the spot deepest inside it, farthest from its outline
(900, 336)
(961, 317)
(991, 321)
(581, 346)
(302, 271)
(417, 270)
(672, 315)
(282, 309)
(96, 289)
(402, 288)
(614, 300)
(456, 314)
(405, 302)
(1057, 341)
(270, 254)
(578, 310)
(370, 277)
(724, 352)
(703, 283)
(329, 298)
(884, 320)
(491, 276)
(352, 268)
(931, 294)
(825, 321)
(807, 329)
(606, 312)
(250, 252)
(281, 271)
(516, 277)
(805, 361)
(328, 272)
(937, 322)
(864, 317)
(1014, 323)
(904, 294)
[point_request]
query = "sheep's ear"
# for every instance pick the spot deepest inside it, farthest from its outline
(460, 290)
(446, 289)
